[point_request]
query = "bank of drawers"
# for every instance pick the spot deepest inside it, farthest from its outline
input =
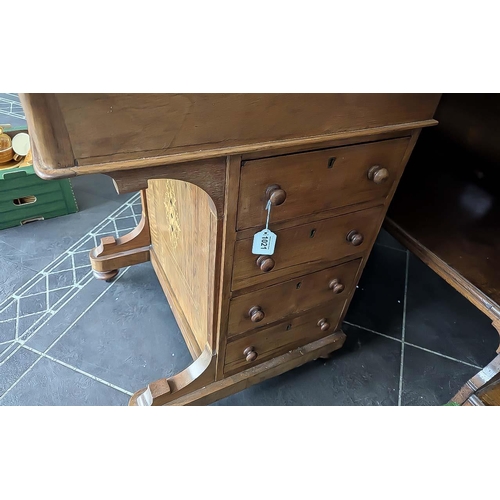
(299, 294)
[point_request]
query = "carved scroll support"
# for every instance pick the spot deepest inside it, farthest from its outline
(115, 253)
(198, 374)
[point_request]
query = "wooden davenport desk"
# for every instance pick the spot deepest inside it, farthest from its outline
(208, 165)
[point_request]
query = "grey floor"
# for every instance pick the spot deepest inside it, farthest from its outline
(11, 112)
(67, 339)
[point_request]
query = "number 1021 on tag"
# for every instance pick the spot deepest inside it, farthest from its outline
(264, 243)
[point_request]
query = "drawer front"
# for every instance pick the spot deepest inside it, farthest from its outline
(307, 248)
(268, 305)
(305, 183)
(266, 343)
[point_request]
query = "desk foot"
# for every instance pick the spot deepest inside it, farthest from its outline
(108, 276)
(326, 356)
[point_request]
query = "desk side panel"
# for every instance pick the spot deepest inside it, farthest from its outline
(183, 230)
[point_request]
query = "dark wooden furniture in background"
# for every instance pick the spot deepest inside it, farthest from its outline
(207, 165)
(483, 389)
(447, 208)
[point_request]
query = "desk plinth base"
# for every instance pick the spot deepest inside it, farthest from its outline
(208, 390)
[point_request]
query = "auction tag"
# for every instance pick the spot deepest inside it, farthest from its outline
(264, 242)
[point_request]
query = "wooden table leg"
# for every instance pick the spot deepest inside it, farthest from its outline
(115, 253)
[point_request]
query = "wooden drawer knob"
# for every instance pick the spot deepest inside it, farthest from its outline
(276, 195)
(336, 286)
(256, 314)
(355, 238)
(250, 354)
(323, 324)
(378, 174)
(265, 263)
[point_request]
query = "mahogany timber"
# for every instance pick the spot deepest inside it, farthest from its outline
(197, 375)
(324, 180)
(115, 253)
(307, 248)
(490, 394)
(98, 133)
(229, 385)
(285, 336)
(292, 296)
(232, 183)
(186, 152)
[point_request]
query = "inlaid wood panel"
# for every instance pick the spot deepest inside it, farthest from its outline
(183, 231)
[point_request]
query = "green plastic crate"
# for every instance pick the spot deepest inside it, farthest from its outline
(24, 197)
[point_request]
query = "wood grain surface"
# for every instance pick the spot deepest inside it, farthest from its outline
(318, 181)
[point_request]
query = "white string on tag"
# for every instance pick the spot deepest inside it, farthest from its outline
(264, 241)
(268, 208)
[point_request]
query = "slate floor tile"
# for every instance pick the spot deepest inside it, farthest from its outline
(442, 320)
(61, 279)
(8, 310)
(49, 383)
(385, 239)
(81, 259)
(430, 380)
(27, 324)
(3, 348)
(7, 330)
(379, 299)
(365, 371)
(13, 367)
(129, 337)
(12, 276)
(125, 224)
(33, 304)
(50, 329)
